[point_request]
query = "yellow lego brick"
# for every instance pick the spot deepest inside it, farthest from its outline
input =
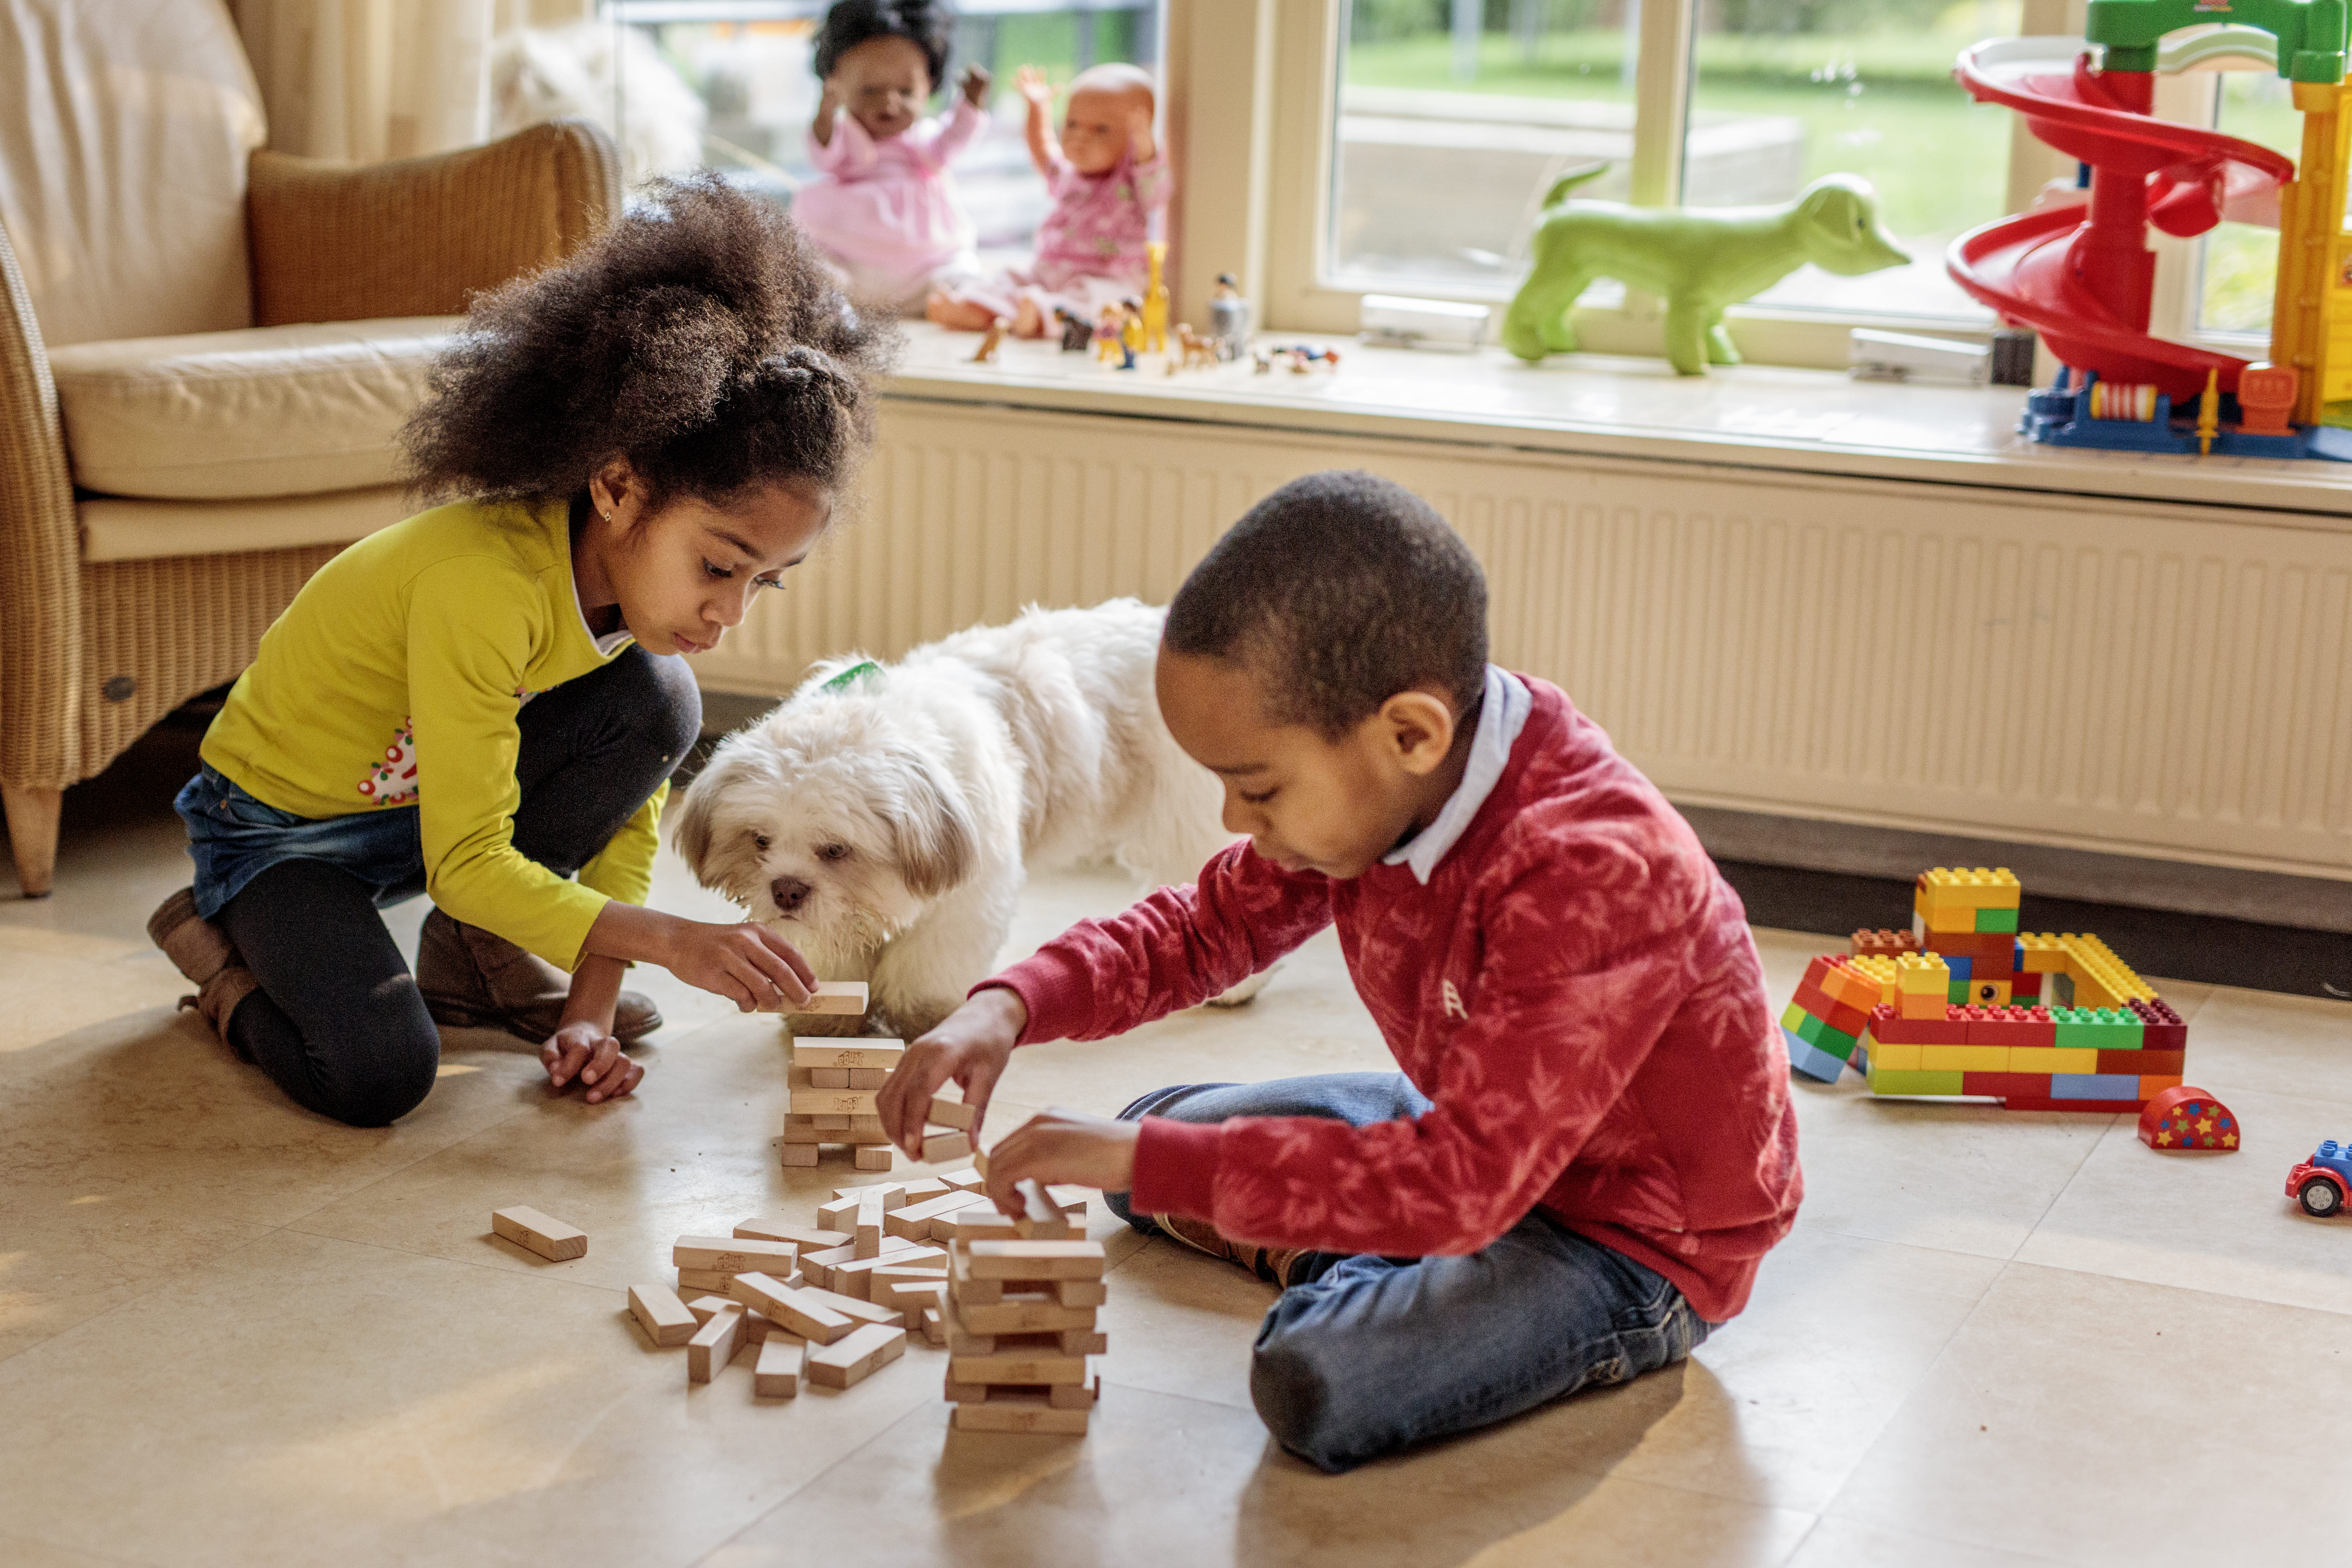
(2044, 953)
(1896, 1058)
(1952, 918)
(2110, 981)
(1964, 1058)
(2049, 1059)
(1982, 888)
(1922, 972)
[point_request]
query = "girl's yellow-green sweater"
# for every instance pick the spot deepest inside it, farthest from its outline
(396, 676)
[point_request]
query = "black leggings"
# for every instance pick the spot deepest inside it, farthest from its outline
(339, 1021)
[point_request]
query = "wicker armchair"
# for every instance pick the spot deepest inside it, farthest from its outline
(121, 599)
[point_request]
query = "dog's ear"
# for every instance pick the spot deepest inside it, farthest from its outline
(937, 841)
(691, 835)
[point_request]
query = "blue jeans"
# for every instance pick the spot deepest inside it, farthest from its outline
(1363, 1354)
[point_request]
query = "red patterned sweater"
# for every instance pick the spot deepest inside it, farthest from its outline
(1575, 990)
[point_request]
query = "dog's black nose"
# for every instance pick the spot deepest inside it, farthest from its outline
(789, 893)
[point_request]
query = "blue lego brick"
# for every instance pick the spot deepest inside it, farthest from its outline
(1959, 968)
(2094, 1085)
(1818, 1064)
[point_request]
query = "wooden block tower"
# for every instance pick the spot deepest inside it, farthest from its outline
(833, 1084)
(1021, 1324)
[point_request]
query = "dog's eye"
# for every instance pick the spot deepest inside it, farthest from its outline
(759, 839)
(833, 851)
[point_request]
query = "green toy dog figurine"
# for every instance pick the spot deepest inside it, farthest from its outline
(1698, 259)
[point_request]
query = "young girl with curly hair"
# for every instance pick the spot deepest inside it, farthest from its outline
(483, 704)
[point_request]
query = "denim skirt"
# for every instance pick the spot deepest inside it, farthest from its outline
(235, 838)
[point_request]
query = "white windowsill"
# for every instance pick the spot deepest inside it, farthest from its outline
(1757, 416)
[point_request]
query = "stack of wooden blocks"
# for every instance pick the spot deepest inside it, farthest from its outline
(1022, 1294)
(832, 1083)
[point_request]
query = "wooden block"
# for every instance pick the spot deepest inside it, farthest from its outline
(894, 1194)
(835, 997)
(663, 1316)
(966, 1393)
(777, 1374)
(948, 1112)
(934, 1325)
(1022, 1368)
(866, 1078)
(854, 1278)
(1035, 1259)
(803, 1129)
(1039, 1217)
(856, 1357)
(735, 1255)
(980, 1162)
(756, 1329)
(914, 1221)
(549, 1238)
(801, 1154)
(1075, 1397)
(840, 1214)
(828, 1078)
(938, 1147)
(1019, 1413)
(857, 1053)
(910, 1297)
(825, 1123)
(815, 1102)
(1085, 1342)
(875, 1157)
(704, 1279)
(850, 1306)
(1081, 1292)
(961, 1341)
(1016, 1316)
(823, 1268)
(714, 1343)
(867, 1127)
(1071, 1200)
(783, 1306)
(925, 1187)
(979, 1223)
(929, 1272)
(968, 1180)
(807, 1238)
(868, 1242)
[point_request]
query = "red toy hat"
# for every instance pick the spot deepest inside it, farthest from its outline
(2188, 1118)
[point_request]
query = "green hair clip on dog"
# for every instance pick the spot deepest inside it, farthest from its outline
(1698, 260)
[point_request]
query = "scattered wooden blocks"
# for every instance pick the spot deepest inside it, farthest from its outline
(808, 1238)
(714, 1343)
(811, 1318)
(924, 1187)
(698, 1279)
(856, 1357)
(662, 1315)
(1040, 1217)
(870, 1209)
(777, 1374)
(840, 1214)
(969, 1180)
(914, 1221)
(844, 996)
(549, 1238)
(735, 1255)
(935, 1327)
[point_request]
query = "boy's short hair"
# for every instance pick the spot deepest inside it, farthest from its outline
(1339, 591)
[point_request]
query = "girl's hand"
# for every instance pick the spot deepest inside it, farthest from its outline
(972, 1046)
(1035, 87)
(587, 1053)
(749, 964)
(1063, 1146)
(975, 86)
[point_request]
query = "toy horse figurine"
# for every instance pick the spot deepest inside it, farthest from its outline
(1698, 259)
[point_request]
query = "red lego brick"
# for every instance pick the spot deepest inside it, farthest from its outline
(2186, 1118)
(1882, 943)
(2108, 1106)
(2160, 1028)
(2002, 1085)
(2144, 1064)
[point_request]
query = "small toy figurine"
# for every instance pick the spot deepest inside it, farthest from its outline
(1130, 331)
(1107, 331)
(1229, 319)
(1075, 333)
(2322, 1183)
(1193, 350)
(1300, 356)
(1155, 301)
(986, 353)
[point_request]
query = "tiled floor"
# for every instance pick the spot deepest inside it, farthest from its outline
(231, 1332)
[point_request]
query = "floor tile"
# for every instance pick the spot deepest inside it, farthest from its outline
(2283, 1045)
(307, 1400)
(2209, 1221)
(2108, 1422)
(1180, 1322)
(23, 1551)
(65, 1256)
(1836, 1543)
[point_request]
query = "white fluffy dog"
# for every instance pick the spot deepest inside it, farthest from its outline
(885, 817)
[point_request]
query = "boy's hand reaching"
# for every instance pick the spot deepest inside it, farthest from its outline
(1063, 1146)
(970, 1045)
(593, 1056)
(975, 86)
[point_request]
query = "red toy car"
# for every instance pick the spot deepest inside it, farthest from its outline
(2323, 1182)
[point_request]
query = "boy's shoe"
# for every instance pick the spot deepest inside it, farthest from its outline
(471, 977)
(202, 952)
(1271, 1264)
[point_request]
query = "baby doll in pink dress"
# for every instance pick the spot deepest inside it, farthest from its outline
(1109, 187)
(882, 206)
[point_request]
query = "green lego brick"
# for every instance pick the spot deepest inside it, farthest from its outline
(2097, 1029)
(1997, 920)
(1912, 1081)
(1959, 996)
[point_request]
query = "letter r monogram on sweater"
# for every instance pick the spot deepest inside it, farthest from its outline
(1453, 1007)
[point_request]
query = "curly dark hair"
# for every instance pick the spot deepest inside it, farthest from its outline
(852, 22)
(700, 338)
(1336, 592)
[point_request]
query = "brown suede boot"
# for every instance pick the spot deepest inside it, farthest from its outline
(202, 952)
(1271, 1264)
(469, 976)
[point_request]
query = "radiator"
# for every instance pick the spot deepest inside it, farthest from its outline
(2043, 668)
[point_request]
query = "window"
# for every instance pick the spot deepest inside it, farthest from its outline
(733, 77)
(2239, 262)
(1455, 117)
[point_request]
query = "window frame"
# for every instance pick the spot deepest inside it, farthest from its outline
(1298, 295)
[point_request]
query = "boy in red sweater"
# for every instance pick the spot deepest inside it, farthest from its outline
(1590, 1146)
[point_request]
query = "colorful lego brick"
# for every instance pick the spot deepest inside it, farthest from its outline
(1992, 951)
(2122, 1107)
(1964, 1058)
(1888, 1026)
(2042, 953)
(1837, 978)
(2003, 1085)
(1997, 920)
(1923, 985)
(2182, 1118)
(2141, 1063)
(2024, 986)
(1882, 943)
(1945, 887)
(1960, 966)
(1806, 1058)
(2160, 1028)
(2047, 1059)
(1945, 920)
(2094, 1085)
(1985, 993)
(2097, 1028)
(1897, 1058)
(1891, 1081)
(1879, 970)
(1816, 1033)
(2153, 1084)
(2101, 979)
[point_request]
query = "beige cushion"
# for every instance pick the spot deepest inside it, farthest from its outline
(124, 130)
(265, 411)
(113, 529)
